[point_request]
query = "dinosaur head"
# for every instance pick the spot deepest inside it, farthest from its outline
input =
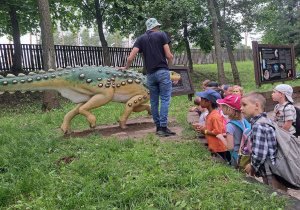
(174, 76)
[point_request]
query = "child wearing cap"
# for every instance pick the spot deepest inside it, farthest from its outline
(231, 106)
(284, 112)
(227, 90)
(213, 123)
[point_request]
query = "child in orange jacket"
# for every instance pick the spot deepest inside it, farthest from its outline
(213, 123)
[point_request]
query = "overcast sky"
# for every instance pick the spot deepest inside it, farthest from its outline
(26, 39)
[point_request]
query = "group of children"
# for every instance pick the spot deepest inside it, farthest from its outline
(224, 117)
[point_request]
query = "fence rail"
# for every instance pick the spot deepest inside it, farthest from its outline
(65, 55)
(199, 57)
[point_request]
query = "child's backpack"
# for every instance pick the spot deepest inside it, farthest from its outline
(287, 159)
(243, 156)
(297, 123)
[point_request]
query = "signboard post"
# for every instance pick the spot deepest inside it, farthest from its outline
(273, 63)
(184, 86)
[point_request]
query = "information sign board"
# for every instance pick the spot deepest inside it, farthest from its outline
(184, 85)
(273, 63)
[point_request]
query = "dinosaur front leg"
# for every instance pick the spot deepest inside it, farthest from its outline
(95, 102)
(136, 104)
(66, 126)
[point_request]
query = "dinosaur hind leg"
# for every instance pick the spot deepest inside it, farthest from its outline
(66, 126)
(143, 107)
(136, 104)
(95, 102)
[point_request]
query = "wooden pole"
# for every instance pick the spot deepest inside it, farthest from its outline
(246, 33)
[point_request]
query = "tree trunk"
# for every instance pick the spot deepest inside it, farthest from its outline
(235, 72)
(103, 41)
(167, 25)
(17, 56)
(188, 49)
(221, 73)
(50, 100)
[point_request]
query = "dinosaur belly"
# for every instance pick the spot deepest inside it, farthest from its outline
(121, 98)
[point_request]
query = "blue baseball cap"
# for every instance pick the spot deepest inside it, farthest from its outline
(226, 87)
(210, 95)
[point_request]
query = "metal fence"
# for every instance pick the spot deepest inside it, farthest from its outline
(88, 55)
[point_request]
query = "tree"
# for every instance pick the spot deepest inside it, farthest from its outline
(228, 45)
(89, 39)
(50, 97)
(188, 26)
(69, 38)
(92, 13)
(279, 22)
(221, 73)
(17, 18)
(115, 39)
(183, 21)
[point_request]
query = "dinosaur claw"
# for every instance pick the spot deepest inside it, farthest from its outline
(122, 125)
(65, 129)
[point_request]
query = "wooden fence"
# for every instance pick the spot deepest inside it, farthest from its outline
(65, 56)
(199, 57)
(87, 55)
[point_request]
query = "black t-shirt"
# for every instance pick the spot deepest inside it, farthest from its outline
(151, 44)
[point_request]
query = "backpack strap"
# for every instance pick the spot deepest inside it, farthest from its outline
(262, 120)
(268, 172)
(247, 124)
(235, 122)
(246, 131)
(235, 156)
(289, 103)
(267, 162)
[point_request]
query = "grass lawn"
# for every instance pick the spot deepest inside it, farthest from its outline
(246, 73)
(106, 173)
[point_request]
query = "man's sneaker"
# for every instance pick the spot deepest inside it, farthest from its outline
(158, 129)
(164, 131)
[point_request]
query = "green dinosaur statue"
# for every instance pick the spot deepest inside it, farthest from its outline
(89, 87)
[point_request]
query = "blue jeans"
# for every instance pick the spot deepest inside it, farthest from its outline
(160, 85)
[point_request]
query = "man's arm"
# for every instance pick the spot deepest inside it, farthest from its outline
(168, 54)
(130, 58)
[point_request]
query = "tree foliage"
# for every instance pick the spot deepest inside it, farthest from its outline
(279, 22)
(27, 16)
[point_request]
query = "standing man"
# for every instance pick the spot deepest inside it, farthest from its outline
(154, 44)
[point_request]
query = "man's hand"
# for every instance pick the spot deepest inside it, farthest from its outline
(122, 68)
(175, 82)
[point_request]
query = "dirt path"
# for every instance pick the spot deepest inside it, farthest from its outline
(136, 129)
